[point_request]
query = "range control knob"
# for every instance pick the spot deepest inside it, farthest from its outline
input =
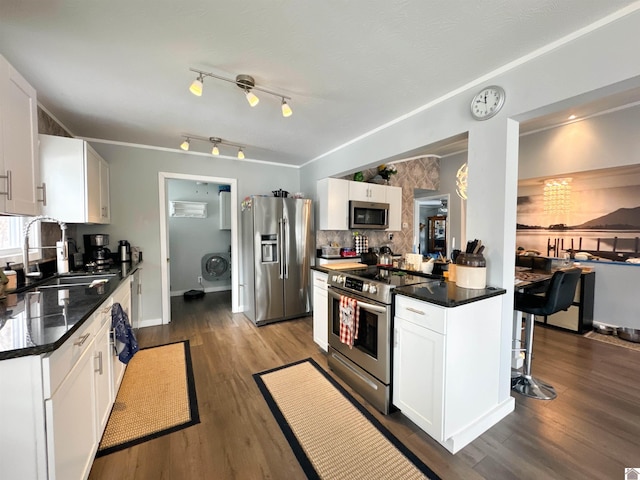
(340, 278)
(373, 288)
(365, 287)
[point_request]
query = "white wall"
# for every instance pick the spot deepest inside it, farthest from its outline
(192, 238)
(134, 200)
(587, 66)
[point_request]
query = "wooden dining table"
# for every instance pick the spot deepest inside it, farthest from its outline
(526, 278)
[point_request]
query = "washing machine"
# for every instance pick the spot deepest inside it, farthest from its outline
(216, 266)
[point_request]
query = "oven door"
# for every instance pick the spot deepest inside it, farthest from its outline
(372, 349)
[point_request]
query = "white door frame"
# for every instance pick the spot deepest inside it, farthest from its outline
(417, 203)
(163, 178)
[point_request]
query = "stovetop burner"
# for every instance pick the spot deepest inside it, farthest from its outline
(375, 283)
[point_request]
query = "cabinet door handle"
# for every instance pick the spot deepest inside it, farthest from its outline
(99, 369)
(44, 194)
(419, 312)
(8, 191)
(82, 339)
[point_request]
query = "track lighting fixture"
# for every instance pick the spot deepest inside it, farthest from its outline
(196, 86)
(216, 142)
(286, 109)
(246, 83)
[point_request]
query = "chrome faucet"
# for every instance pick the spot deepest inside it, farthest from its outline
(62, 249)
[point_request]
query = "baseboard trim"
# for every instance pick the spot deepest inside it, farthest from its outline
(221, 288)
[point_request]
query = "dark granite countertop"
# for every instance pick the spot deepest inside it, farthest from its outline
(447, 294)
(39, 320)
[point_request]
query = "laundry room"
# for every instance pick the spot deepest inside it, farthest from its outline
(199, 226)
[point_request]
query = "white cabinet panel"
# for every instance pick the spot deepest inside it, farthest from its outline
(19, 163)
(394, 199)
(320, 310)
(102, 370)
(367, 192)
(418, 376)
(71, 425)
(225, 210)
(77, 181)
(333, 204)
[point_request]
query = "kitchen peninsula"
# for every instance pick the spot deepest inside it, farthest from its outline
(59, 373)
(444, 342)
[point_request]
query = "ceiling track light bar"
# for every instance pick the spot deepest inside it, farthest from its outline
(215, 141)
(246, 83)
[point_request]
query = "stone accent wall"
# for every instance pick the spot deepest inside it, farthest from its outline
(422, 173)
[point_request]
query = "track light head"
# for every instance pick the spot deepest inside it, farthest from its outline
(215, 140)
(185, 145)
(286, 109)
(196, 86)
(246, 82)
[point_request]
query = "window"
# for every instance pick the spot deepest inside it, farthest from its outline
(12, 236)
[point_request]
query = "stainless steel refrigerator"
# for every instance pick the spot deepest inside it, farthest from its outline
(276, 256)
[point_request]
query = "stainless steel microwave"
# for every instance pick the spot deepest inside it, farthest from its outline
(368, 215)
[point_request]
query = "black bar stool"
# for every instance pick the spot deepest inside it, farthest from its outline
(559, 296)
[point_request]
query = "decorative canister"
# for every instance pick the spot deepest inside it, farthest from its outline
(471, 271)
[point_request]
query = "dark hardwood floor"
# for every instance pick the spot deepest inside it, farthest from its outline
(592, 430)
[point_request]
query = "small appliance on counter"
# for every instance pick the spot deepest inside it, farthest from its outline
(96, 251)
(124, 251)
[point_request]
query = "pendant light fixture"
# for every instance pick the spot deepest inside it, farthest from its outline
(216, 141)
(246, 83)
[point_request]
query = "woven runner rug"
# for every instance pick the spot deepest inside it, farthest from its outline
(157, 396)
(331, 434)
(612, 340)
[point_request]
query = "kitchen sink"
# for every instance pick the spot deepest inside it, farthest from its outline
(81, 280)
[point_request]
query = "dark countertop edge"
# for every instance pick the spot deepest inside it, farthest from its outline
(50, 347)
(488, 293)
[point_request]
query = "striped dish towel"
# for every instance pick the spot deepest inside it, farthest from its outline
(349, 318)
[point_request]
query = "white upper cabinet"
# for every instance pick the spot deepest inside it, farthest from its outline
(367, 192)
(19, 164)
(77, 181)
(334, 195)
(394, 199)
(225, 210)
(333, 204)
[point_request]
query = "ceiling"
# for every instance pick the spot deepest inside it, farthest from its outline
(118, 71)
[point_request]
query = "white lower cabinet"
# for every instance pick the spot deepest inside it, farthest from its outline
(60, 401)
(71, 426)
(446, 368)
(103, 373)
(320, 310)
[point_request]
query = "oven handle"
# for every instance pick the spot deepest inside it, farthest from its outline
(361, 304)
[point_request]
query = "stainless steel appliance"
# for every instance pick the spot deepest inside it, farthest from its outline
(276, 239)
(367, 366)
(124, 251)
(96, 251)
(368, 215)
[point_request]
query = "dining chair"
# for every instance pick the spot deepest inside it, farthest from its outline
(558, 296)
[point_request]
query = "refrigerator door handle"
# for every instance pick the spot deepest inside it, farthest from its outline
(286, 248)
(281, 245)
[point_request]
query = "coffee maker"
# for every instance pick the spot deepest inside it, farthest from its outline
(96, 252)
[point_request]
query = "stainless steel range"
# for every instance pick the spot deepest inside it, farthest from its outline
(366, 367)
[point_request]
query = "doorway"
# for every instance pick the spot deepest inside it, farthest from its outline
(165, 267)
(431, 223)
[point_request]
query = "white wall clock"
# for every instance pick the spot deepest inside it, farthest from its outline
(487, 102)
